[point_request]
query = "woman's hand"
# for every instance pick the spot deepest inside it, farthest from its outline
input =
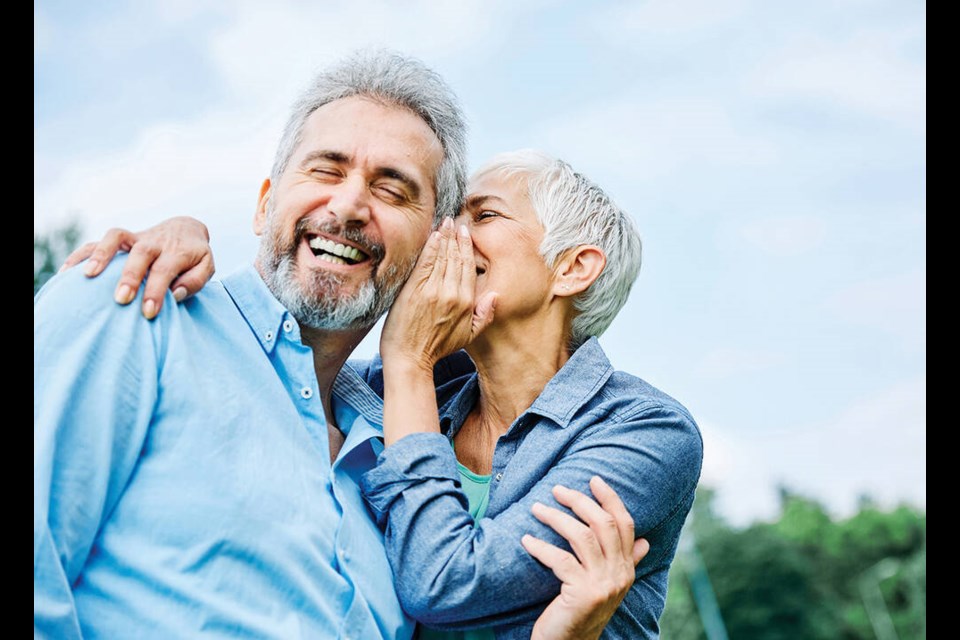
(435, 313)
(176, 252)
(599, 575)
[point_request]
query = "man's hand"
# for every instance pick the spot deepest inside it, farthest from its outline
(176, 253)
(595, 579)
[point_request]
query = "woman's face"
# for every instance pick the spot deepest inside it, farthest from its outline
(506, 241)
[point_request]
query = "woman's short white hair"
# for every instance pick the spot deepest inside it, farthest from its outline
(574, 211)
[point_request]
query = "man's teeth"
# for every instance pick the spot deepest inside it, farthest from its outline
(337, 250)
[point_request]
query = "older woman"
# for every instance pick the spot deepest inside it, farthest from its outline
(536, 266)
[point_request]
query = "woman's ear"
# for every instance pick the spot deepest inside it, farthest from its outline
(578, 269)
(260, 218)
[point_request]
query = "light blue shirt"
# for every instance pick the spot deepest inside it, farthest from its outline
(182, 484)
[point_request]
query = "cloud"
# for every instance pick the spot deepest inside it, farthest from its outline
(727, 362)
(294, 38)
(667, 18)
(785, 236)
(894, 304)
(652, 139)
(875, 446)
(869, 72)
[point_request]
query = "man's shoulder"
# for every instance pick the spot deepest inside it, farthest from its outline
(72, 286)
(71, 296)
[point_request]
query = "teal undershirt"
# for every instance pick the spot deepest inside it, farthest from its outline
(477, 489)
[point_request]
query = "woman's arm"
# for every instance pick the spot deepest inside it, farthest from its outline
(596, 577)
(174, 254)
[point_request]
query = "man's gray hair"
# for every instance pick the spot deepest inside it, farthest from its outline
(399, 80)
(574, 211)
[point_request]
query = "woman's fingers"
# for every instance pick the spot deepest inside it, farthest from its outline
(583, 541)
(601, 523)
(640, 549)
(78, 255)
(191, 281)
(142, 255)
(613, 505)
(563, 563)
(101, 253)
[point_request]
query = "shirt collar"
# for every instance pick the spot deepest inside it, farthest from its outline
(259, 307)
(577, 382)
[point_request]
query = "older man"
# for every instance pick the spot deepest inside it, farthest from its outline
(197, 474)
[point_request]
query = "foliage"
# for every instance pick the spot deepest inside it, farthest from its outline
(805, 575)
(50, 250)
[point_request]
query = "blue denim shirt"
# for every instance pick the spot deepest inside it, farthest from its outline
(182, 479)
(589, 420)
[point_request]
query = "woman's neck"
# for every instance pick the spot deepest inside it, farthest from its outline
(513, 367)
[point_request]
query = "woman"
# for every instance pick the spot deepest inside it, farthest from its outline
(551, 263)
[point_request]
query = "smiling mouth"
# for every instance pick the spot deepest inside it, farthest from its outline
(335, 252)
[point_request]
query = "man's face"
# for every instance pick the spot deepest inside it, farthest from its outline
(342, 228)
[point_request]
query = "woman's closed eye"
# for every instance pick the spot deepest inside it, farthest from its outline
(485, 214)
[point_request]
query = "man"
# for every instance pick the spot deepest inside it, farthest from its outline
(177, 478)
(197, 474)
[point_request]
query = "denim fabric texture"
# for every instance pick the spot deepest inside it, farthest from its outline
(589, 420)
(182, 480)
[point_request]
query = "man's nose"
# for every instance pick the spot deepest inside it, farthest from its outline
(350, 202)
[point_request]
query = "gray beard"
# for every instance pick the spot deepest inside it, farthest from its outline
(321, 302)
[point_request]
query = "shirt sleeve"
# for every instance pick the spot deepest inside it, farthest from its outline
(94, 387)
(450, 574)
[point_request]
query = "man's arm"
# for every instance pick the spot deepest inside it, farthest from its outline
(94, 382)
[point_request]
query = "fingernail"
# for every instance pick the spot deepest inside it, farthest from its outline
(149, 309)
(448, 223)
(90, 268)
(124, 294)
(464, 231)
(179, 294)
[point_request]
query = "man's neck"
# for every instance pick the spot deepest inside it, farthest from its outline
(330, 350)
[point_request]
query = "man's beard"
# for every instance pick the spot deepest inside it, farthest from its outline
(318, 298)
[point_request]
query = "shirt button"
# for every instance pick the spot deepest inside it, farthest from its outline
(288, 325)
(306, 393)
(498, 477)
(268, 336)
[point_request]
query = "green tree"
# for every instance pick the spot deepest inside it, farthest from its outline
(51, 249)
(804, 575)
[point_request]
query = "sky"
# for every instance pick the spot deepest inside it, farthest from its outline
(773, 155)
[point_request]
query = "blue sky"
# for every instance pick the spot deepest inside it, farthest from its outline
(772, 154)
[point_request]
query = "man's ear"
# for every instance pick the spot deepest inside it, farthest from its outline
(260, 218)
(578, 269)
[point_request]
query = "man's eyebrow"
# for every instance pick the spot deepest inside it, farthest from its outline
(323, 154)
